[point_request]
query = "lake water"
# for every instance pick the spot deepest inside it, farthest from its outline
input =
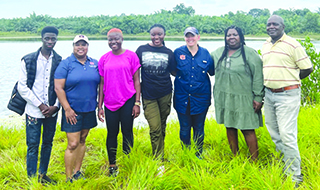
(12, 51)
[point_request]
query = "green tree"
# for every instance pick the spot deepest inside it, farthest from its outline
(311, 23)
(182, 9)
(300, 21)
(242, 20)
(259, 12)
(302, 12)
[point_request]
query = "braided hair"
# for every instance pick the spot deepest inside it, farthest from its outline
(226, 46)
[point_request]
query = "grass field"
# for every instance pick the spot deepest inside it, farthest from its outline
(218, 170)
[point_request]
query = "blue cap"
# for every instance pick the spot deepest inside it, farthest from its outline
(191, 30)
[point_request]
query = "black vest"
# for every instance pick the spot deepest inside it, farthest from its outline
(31, 68)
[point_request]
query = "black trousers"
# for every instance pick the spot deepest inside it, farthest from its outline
(113, 118)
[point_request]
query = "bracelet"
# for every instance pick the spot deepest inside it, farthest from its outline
(137, 103)
(100, 109)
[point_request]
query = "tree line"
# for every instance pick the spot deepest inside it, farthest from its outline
(300, 21)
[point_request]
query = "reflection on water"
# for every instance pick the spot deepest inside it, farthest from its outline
(12, 51)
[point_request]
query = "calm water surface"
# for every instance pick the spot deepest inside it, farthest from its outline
(11, 53)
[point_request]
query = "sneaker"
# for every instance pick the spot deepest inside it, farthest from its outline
(69, 180)
(44, 179)
(297, 180)
(199, 156)
(113, 171)
(161, 170)
(78, 175)
(165, 160)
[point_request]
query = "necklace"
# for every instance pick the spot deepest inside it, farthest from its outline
(228, 60)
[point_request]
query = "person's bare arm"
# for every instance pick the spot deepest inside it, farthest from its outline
(136, 79)
(59, 88)
(100, 100)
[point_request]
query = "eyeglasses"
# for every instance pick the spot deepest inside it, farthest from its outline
(47, 39)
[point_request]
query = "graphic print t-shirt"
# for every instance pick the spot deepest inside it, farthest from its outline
(156, 64)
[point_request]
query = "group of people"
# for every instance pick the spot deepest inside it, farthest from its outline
(244, 81)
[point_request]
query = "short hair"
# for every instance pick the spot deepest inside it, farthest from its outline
(114, 30)
(281, 21)
(49, 29)
(157, 25)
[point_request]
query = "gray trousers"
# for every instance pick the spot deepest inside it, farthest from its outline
(281, 117)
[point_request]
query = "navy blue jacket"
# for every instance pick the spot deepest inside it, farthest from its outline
(192, 83)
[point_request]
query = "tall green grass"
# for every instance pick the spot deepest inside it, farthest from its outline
(218, 170)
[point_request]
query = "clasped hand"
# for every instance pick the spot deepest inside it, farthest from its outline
(48, 111)
(257, 106)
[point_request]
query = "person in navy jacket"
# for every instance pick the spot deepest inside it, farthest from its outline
(192, 88)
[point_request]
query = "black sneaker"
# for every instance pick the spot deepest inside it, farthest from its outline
(44, 179)
(69, 180)
(113, 171)
(199, 156)
(78, 175)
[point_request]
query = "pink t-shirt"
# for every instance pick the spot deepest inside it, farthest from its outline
(118, 71)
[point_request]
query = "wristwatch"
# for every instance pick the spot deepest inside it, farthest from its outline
(137, 103)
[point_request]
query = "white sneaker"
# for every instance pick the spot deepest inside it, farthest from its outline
(161, 171)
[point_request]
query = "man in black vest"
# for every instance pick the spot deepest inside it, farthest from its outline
(36, 86)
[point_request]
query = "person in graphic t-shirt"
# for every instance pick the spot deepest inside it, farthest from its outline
(156, 64)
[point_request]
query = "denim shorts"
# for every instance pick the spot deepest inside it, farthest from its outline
(85, 120)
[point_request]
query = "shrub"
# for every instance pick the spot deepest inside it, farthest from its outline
(310, 93)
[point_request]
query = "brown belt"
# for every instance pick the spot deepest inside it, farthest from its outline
(284, 88)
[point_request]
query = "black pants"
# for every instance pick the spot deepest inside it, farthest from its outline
(113, 118)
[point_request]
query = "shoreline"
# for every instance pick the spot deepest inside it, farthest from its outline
(16, 121)
(204, 37)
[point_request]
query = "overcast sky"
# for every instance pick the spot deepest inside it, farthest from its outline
(65, 8)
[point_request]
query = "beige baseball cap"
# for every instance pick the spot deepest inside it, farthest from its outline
(80, 37)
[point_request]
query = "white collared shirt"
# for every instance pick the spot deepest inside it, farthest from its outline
(39, 93)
